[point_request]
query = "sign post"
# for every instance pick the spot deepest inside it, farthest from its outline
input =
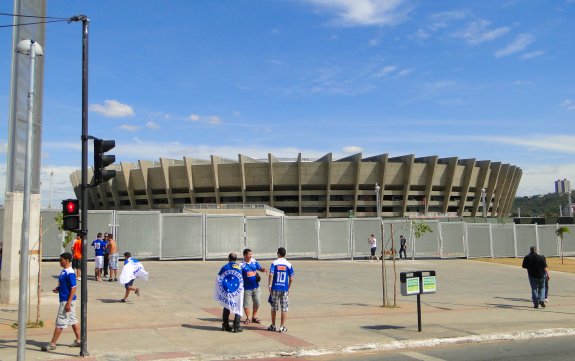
(416, 283)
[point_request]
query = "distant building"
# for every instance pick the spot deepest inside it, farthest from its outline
(562, 186)
(329, 188)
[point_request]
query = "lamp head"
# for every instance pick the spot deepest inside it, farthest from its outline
(23, 47)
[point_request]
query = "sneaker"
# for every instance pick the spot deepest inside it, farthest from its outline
(272, 328)
(237, 329)
(542, 304)
(138, 292)
(110, 280)
(124, 300)
(282, 329)
(115, 280)
(48, 347)
(76, 343)
(78, 278)
(546, 300)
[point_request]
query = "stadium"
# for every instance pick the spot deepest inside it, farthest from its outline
(409, 186)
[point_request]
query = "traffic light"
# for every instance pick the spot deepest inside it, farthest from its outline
(101, 160)
(71, 213)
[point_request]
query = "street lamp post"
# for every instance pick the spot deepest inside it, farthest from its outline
(378, 199)
(32, 49)
(484, 202)
(50, 204)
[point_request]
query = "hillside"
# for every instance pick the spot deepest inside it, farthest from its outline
(546, 205)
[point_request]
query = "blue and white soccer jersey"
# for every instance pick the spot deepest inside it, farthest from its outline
(66, 282)
(281, 271)
(249, 271)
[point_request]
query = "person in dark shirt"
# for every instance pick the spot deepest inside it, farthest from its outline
(538, 272)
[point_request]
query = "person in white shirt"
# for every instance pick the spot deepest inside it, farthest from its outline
(373, 243)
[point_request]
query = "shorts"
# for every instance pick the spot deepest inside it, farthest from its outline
(252, 297)
(113, 261)
(279, 298)
(65, 319)
(373, 251)
(76, 263)
(99, 261)
(129, 284)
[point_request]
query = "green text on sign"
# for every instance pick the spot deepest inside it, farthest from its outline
(412, 286)
(429, 284)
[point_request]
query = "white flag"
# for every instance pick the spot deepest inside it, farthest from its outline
(229, 291)
(132, 269)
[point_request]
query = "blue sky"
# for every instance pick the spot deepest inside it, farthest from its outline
(473, 79)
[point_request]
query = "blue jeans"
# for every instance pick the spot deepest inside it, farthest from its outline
(537, 289)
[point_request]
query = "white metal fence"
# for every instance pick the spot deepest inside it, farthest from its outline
(202, 236)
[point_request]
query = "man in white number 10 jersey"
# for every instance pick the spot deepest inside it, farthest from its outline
(280, 280)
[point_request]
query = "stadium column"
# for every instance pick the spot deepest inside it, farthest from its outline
(383, 158)
(299, 165)
(468, 172)
(215, 161)
(243, 176)
(164, 163)
(329, 160)
(493, 179)
(505, 196)
(126, 172)
(484, 167)
(501, 181)
(450, 174)
(271, 160)
(431, 166)
(144, 166)
(188, 163)
(357, 160)
(408, 161)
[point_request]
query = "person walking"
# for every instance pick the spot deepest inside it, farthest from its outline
(252, 292)
(66, 291)
(132, 269)
(537, 272)
(229, 292)
(402, 247)
(98, 245)
(113, 264)
(373, 244)
(77, 256)
(280, 280)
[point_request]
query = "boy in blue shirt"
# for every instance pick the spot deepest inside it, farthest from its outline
(280, 280)
(66, 291)
(250, 268)
(99, 247)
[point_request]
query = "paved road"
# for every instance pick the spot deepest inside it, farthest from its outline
(556, 349)
(334, 306)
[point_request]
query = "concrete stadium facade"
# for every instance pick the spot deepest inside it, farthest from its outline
(410, 186)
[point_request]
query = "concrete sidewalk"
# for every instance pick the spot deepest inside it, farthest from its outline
(335, 306)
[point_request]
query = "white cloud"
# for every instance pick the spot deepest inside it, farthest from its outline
(420, 34)
(531, 55)
(521, 42)
(385, 71)
(365, 12)
(152, 125)
(540, 178)
(442, 20)
(404, 72)
(129, 127)
(112, 109)
(478, 32)
(568, 104)
(215, 120)
(352, 149)
(556, 143)
(236, 113)
(194, 118)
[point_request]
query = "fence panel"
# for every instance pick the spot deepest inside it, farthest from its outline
(182, 236)
(334, 238)
(478, 243)
(301, 236)
(503, 240)
(428, 244)
(139, 233)
(548, 242)
(264, 235)
(526, 237)
(362, 229)
(51, 237)
(569, 242)
(224, 234)
(395, 229)
(452, 239)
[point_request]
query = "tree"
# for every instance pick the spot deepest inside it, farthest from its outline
(420, 228)
(68, 236)
(560, 232)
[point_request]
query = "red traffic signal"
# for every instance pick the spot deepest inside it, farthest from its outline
(71, 215)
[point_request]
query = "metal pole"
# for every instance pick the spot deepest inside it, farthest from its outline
(419, 312)
(50, 203)
(24, 239)
(84, 197)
